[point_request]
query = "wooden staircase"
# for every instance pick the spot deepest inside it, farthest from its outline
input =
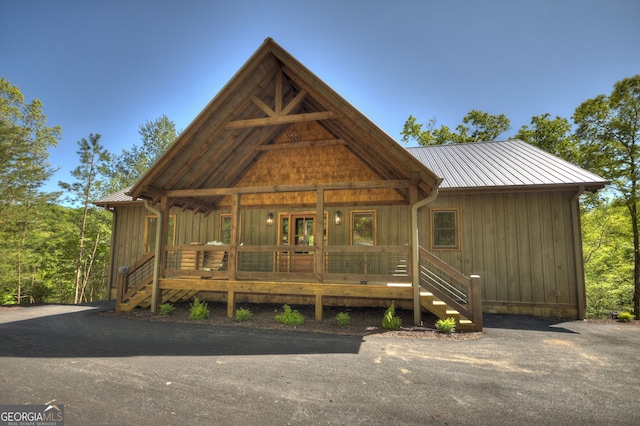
(440, 309)
(447, 293)
(135, 287)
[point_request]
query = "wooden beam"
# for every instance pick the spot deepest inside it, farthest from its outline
(264, 107)
(302, 144)
(278, 97)
(215, 192)
(295, 102)
(284, 119)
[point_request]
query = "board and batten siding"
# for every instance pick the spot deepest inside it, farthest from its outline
(521, 245)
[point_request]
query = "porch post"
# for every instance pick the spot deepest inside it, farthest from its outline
(233, 250)
(318, 236)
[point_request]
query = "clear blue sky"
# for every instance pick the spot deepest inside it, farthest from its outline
(107, 66)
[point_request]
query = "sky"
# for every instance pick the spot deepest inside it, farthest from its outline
(108, 66)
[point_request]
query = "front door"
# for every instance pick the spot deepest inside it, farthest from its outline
(303, 239)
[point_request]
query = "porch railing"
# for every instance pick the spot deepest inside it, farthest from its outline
(460, 292)
(360, 264)
(202, 260)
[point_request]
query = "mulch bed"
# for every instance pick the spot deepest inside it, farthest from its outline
(363, 321)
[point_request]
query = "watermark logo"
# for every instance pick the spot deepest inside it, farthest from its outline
(32, 415)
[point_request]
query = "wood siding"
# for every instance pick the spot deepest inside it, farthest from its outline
(309, 165)
(521, 244)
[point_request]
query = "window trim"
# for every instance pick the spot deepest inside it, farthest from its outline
(223, 217)
(458, 244)
(170, 237)
(375, 224)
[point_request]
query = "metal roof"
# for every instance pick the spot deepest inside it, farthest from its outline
(119, 197)
(501, 165)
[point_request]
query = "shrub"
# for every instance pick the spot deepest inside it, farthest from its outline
(242, 314)
(343, 319)
(289, 317)
(199, 310)
(166, 309)
(446, 325)
(390, 321)
(625, 316)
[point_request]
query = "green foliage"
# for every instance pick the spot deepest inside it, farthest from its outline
(24, 142)
(390, 321)
(166, 309)
(127, 168)
(608, 259)
(289, 317)
(609, 132)
(199, 310)
(476, 126)
(343, 319)
(447, 325)
(82, 192)
(551, 135)
(626, 317)
(242, 315)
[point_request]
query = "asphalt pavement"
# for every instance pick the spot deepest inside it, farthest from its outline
(116, 371)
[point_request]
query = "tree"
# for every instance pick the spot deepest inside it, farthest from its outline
(84, 190)
(24, 142)
(554, 136)
(476, 126)
(608, 254)
(127, 168)
(609, 130)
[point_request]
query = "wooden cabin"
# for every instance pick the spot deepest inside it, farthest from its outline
(281, 191)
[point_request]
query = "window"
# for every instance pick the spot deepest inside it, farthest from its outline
(363, 228)
(445, 229)
(224, 234)
(150, 227)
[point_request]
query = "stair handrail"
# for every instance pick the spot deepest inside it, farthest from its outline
(124, 292)
(473, 308)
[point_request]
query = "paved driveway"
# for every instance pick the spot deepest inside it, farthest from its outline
(119, 371)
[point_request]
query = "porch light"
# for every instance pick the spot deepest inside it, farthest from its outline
(338, 218)
(269, 219)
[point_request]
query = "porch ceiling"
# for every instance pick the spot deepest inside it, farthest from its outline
(267, 95)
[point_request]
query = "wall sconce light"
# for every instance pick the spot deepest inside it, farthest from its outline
(269, 219)
(337, 218)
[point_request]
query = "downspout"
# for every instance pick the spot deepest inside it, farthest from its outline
(156, 259)
(578, 255)
(415, 241)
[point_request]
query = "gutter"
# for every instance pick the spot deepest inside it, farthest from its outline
(415, 240)
(155, 292)
(578, 254)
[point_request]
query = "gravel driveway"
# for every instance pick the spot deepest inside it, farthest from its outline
(112, 371)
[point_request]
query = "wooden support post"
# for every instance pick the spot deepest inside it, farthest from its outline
(318, 236)
(476, 301)
(319, 307)
(235, 224)
(231, 303)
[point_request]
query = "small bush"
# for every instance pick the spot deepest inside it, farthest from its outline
(289, 317)
(625, 316)
(242, 315)
(199, 310)
(166, 309)
(390, 321)
(446, 325)
(343, 319)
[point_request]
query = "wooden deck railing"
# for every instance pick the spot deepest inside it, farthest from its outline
(457, 290)
(202, 260)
